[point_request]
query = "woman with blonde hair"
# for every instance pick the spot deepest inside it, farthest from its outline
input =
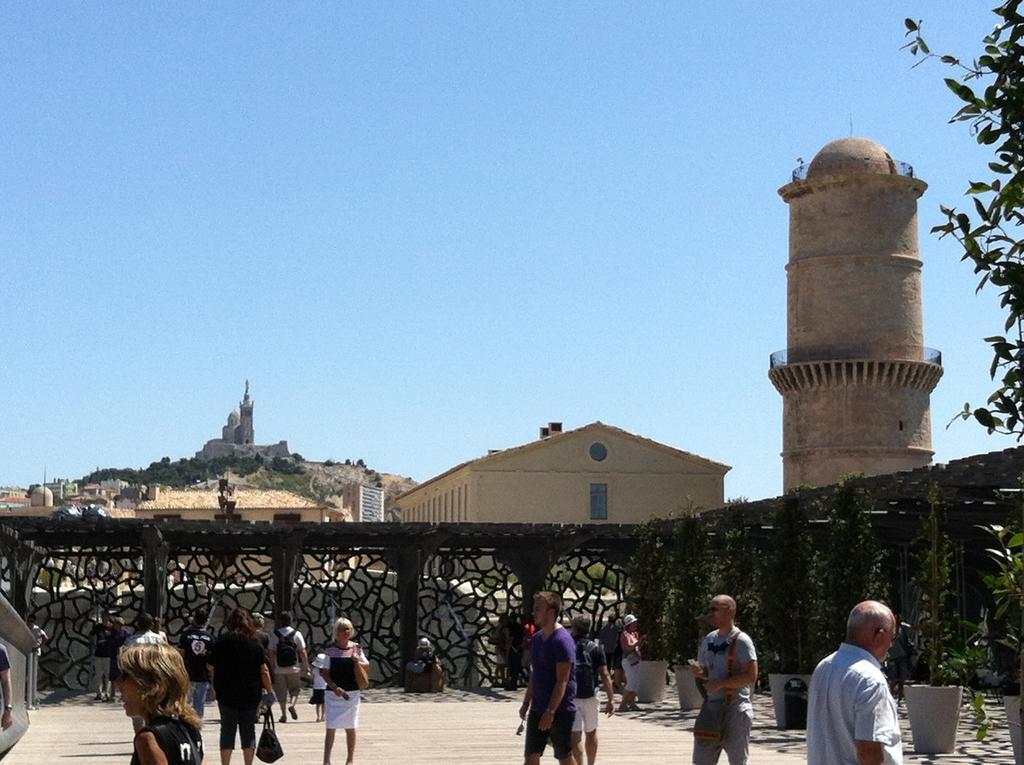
(155, 687)
(341, 700)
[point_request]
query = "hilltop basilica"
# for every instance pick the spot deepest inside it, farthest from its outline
(239, 438)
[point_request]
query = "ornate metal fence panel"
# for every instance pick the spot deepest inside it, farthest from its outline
(464, 593)
(362, 587)
(590, 584)
(72, 588)
(453, 583)
(218, 581)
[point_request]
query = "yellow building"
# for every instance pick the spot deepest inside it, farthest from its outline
(594, 474)
(250, 505)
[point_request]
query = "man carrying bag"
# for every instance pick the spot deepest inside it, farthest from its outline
(727, 662)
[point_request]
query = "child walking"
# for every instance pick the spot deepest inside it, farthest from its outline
(319, 685)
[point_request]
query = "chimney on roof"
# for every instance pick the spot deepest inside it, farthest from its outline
(545, 432)
(153, 492)
(554, 427)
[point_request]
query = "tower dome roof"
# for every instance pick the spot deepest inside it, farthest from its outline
(852, 156)
(41, 497)
(234, 418)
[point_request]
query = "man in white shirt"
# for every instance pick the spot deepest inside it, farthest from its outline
(852, 716)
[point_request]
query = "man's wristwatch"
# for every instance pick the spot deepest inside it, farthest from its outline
(549, 711)
(8, 707)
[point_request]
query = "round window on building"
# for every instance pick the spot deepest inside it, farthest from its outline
(598, 451)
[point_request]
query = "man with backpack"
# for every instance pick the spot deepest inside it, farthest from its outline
(591, 666)
(289, 659)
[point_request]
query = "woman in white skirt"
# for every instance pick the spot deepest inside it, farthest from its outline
(341, 701)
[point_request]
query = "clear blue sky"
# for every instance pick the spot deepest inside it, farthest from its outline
(424, 229)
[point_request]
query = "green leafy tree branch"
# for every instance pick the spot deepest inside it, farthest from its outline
(991, 89)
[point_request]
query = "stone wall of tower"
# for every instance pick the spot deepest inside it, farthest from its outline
(854, 274)
(855, 378)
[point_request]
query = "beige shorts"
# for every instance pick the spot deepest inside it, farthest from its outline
(287, 685)
(587, 713)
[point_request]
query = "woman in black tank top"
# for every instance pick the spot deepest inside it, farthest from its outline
(155, 686)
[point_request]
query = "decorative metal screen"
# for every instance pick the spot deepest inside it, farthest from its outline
(589, 584)
(362, 587)
(217, 581)
(463, 595)
(463, 591)
(72, 589)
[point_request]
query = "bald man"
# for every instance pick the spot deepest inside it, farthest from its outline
(727, 663)
(852, 716)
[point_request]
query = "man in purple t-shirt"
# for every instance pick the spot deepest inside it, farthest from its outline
(551, 695)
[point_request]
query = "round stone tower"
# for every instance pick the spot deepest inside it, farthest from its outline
(855, 377)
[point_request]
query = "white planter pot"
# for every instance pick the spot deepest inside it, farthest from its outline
(686, 686)
(1012, 706)
(777, 683)
(650, 681)
(934, 714)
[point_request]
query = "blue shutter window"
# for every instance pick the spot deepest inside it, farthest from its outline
(599, 502)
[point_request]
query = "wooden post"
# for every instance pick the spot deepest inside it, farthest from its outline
(408, 562)
(286, 556)
(531, 567)
(155, 551)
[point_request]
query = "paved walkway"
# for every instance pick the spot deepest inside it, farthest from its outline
(458, 726)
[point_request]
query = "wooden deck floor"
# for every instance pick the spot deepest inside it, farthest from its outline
(459, 726)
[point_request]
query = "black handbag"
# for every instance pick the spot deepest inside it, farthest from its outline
(268, 748)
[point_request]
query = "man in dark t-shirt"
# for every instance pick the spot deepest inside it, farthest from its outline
(549, 705)
(195, 648)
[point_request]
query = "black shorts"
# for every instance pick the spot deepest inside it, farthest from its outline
(560, 734)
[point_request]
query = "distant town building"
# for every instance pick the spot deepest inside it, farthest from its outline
(363, 503)
(261, 505)
(115, 485)
(238, 437)
(594, 474)
(15, 504)
(62, 489)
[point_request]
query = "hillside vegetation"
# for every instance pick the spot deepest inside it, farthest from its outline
(319, 481)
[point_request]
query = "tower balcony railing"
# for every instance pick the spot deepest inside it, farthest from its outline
(901, 352)
(897, 168)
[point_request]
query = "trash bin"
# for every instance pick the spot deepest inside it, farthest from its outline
(795, 709)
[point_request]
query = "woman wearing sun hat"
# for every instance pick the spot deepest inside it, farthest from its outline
(631, 641)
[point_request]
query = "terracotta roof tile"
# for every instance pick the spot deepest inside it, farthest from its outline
(188, 499)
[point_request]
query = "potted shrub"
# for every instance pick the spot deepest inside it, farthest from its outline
(688, 597)
(850, 562)
(1007, 588)
(934, 709)
(790, 597)
(648, 579)
(731, 540)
